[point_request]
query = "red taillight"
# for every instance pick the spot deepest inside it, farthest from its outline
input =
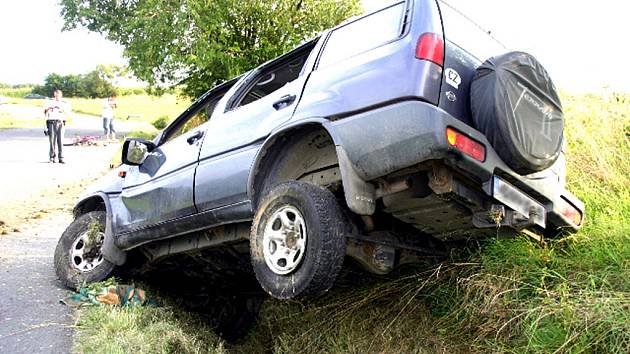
(431, 47)
(570, 212)
(465, 144)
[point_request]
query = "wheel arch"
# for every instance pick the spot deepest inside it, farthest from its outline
(90, 203)
(276, 149)
(100, 202)
(307, 144)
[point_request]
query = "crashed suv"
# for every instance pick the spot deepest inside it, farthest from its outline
(385, 140)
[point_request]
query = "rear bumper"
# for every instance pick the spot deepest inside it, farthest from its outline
(385, 140)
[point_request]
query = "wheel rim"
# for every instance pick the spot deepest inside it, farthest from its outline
(284, 240)
(85, 256)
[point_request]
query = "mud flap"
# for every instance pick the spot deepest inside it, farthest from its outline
(360, 195)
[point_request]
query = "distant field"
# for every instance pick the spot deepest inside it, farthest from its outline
(15, 92)
(135, 107)
(25, 120)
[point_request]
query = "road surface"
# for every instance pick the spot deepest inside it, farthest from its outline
(35, 202)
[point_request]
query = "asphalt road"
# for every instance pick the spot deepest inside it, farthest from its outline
(24, 155)
(31, 318)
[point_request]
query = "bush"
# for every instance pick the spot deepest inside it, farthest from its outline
(160, 123)
(130, 91)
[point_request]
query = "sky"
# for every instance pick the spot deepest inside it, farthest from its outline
(583, 44)
(33, 45)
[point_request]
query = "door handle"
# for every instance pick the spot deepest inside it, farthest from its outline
(193, 138)
(283, 102)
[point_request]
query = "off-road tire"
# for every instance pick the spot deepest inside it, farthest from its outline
(67, 273)
(325, 249)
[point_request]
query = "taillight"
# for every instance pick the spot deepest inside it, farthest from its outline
(465, 144)
(431, 47)
(570, 212)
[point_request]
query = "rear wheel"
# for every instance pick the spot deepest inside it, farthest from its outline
(78, 258)
(298, 240)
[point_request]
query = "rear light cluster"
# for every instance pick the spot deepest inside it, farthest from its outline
(465, 144)
(430, 47)
(570, 212)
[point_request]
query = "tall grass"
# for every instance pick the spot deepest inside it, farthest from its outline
(144, 330)
(516, 295)
(572, 294)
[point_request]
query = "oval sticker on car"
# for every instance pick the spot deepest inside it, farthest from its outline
(452, 78)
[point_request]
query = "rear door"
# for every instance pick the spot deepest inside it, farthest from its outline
(260, 103)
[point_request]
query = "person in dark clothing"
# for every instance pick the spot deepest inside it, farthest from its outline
(56, 111)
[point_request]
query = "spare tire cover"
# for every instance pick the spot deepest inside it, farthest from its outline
(515, 104)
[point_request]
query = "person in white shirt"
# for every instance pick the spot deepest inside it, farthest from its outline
(56, 111)
(108, 117)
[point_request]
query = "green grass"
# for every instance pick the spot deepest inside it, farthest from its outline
(143, 330)
(15, 92)
(569, 295)
(143, 108)
(21, 119)
(8, 121)
(135, 107)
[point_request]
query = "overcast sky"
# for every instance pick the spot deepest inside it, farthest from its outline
(583, 44)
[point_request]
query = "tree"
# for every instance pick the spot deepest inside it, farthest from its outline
(94, 84)
(196, 44)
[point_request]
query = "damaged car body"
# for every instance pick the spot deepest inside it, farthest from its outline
(385, 139)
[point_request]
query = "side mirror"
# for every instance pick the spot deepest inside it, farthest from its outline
(135, 151)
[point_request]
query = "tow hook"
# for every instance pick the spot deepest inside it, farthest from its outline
(498, 216)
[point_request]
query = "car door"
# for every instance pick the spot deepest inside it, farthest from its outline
(161, 189)
(260, 103)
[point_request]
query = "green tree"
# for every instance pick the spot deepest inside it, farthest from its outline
(94, 84)
(196, 44)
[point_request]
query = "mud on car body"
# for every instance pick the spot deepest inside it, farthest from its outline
(385, 139)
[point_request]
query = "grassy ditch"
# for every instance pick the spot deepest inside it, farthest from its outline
(568, 295)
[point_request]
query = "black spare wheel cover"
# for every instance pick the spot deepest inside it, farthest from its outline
(515, 104)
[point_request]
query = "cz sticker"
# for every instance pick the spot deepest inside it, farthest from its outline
(452, 78)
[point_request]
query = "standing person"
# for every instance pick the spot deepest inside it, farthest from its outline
(108, 117)
(56, 111)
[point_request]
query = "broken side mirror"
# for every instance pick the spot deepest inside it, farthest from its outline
(135, 151)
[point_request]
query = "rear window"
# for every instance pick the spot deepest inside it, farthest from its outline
(466, 34)
(363, 34)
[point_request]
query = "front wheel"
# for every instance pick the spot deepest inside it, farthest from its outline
(298, 240)
(78, 257)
